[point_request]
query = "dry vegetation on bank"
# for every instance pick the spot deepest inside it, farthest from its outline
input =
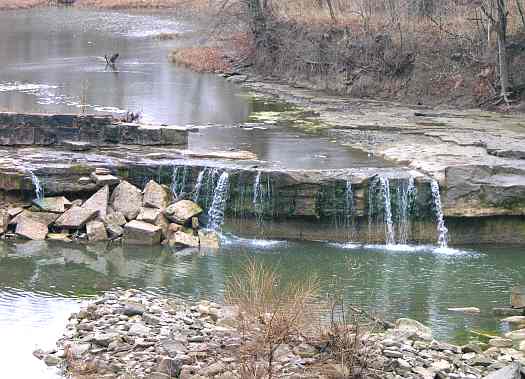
(21, 4)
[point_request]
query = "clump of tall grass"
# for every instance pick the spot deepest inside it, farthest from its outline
(271, 314)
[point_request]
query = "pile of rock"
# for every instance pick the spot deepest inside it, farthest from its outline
(145, 336)
(127, 213)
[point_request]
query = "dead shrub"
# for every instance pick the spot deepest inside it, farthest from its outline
(272, 314)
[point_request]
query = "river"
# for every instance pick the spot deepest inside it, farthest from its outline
(51, 61)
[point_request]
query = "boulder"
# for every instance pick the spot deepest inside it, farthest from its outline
(156, 196)
(115, 218)
(76, 217)
(163, 223)
(514, 320)
(185, 239)
(149, 215)
(182, 211)
(127, 199)
(96, 231)
(517, 298)
(4, 221)
(413, 328)
(500, 342)
(57, 204)
(209, 239)
(31, 229)
(46, 218)
(141, 233)
(99, 202)
(170, 367)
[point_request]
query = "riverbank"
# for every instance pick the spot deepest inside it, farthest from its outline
(146, 336)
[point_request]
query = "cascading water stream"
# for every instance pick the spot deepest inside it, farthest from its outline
(389, 224)
(218, 205)
(406, 196)
(442, 230)
(39, 190)
(198, 185)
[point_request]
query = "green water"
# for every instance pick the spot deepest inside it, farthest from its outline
(41, 282)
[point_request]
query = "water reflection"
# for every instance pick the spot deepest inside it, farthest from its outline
(52, 61)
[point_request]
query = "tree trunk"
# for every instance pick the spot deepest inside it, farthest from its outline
(502, 49)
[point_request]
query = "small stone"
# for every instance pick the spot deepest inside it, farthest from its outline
(424, 373)
(116, 218)
(468, 310)
(508, 312)
(392, 353)
(516, 335)
(472, 347)
(133, 309)
(114, 231)
(104, 339)
(51, 360)
(77, 350)
(184, 239)
(104, 180)
(414, 328)
(139, 329)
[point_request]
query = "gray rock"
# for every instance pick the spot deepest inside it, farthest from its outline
(77, 145)
(96, 231)
(138, 329)
(514, 320)
(141, 233)
(76, 217)
(149, 215)
(31, 229)
(414, 328)
(98, 202)
(512, 371)
(156, 196)
(104, 339)
(182, 211)
(116, 218)
(213, 369)
(500, 342)
(77, 350)
(516, 335)
(508, 312)
(170, 367)
(127, 199)
(51, 360)
(84, 180)
(133, 309)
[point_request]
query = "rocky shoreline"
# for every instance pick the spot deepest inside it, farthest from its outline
(130, 334)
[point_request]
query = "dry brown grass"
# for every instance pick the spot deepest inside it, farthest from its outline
(201, 59)
(21, 4)
(271, 314)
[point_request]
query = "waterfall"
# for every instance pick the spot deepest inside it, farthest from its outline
(442, 230)
(406, 195)
(389, 225)
(198, 185)
(257, 195)
(349, 204)
(178, 180)
(218, 205)
(39, 190)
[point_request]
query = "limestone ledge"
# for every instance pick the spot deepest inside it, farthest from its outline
(81, 132)
(477, 156)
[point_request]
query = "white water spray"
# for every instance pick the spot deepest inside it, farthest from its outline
(389, 225)
(442, 230)
(39, 190)
(406, 196)
(218, 205)
(198, 185)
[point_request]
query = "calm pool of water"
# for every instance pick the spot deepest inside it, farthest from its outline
(42, 282)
